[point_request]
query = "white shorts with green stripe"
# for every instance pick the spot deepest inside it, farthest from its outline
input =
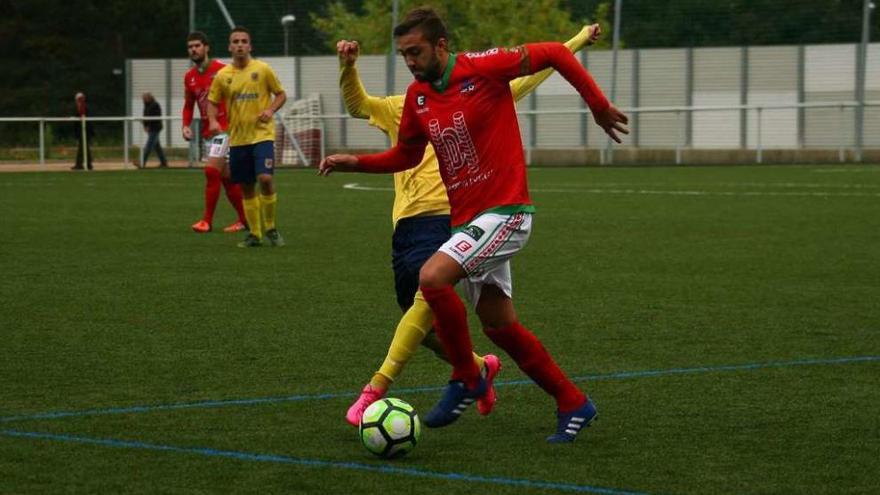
(484, 248)
(218, 146)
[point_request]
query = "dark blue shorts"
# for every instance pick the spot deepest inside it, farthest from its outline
(414, 241)
(248, 161)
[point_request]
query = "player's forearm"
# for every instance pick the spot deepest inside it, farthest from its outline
(556, 55)
(580, 40)
(354, 95)
(522, 86)
(188, 112)
(278, 102)
(397, 159)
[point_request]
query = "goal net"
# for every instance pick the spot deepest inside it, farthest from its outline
(299, 133)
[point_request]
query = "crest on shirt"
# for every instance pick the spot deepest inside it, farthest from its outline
(467, 86)
(254, 76)
(228, 80)
(420, 100)
(474, 231)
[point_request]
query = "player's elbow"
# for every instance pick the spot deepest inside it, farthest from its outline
(356, 110)
(547, 54)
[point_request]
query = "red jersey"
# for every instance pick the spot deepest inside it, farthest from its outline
(196, 86)
(470, 119)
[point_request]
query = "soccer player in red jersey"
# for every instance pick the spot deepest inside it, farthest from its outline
(197, 81)
(462, 104)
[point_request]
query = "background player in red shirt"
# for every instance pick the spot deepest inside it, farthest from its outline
(462, 104)
(197, 81)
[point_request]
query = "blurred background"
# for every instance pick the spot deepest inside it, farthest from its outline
(673, 62)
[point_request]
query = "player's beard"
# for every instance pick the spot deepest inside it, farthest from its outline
(431, 73)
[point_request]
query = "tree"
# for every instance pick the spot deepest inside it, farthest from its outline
(695, 23)
(472, 25)
(58, 48)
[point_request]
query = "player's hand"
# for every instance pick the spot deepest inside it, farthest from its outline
(187, 133)
(348, 51)
(612, 121)
(594, 31)
(266, 115)
(214, 127)
(338, 163)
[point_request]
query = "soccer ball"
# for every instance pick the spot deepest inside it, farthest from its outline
(390, 428)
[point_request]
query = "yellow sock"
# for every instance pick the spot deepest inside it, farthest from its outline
(413, 326)
(413, 329)
(479, 360)
(267, 208)
(252, 213)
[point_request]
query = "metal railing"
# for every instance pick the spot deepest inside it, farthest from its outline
(679, 144)
(682, 113)
(126, 132)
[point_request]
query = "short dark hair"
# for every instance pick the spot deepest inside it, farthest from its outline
(198, 36)
(240, 29)
(426, 20)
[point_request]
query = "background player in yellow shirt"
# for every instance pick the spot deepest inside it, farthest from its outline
(421, 225)
(252, 94)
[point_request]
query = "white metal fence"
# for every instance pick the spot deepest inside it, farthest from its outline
(728, 77)
(767, 127)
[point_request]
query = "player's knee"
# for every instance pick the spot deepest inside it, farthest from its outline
(266, 184)
(429, 277)
(440, 271)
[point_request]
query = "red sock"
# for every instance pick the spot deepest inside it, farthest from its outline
(233, 194)
(450, 323)
(212, 192)
(536, 362)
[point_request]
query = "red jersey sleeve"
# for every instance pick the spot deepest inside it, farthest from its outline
(542, 55)
(189, 101)
(500, 63)
(408, 152)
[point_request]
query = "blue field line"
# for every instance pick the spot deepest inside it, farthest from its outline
(620, 375)
(319, 463)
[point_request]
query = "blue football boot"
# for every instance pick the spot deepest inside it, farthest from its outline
(456, 398)
(570, 424)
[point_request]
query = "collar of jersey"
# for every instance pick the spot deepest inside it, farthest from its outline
(242, 69)
(441, 84)
(203, 67)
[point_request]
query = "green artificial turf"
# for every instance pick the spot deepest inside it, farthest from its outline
(725, 320)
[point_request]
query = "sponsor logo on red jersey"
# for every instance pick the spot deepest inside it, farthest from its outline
(487, 53)
(454, 145)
